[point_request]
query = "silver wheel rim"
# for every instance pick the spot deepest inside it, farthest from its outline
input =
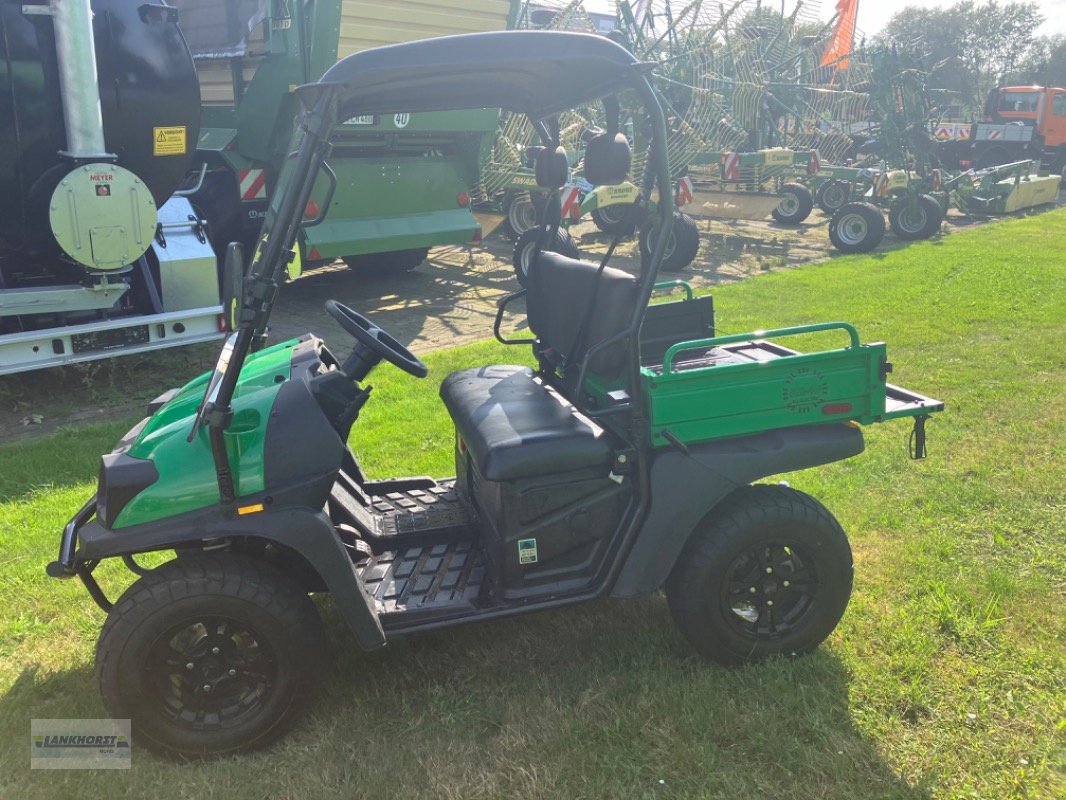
(852, 229)
(789, 205)
(912, 220)
(521, 214)
(525, 257)
(834, 196)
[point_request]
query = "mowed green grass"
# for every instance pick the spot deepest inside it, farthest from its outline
(944, 680)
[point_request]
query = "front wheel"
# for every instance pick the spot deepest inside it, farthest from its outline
(795, 206)
(769, 573)
(832, 195)
(914, 219)
(682, 247)
(857, 228)
(210, 655)
(526, 246)
(615, 220)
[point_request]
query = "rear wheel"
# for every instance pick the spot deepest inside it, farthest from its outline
(520, 211)
(522, 257)
(832, 195)
(857, 228)
(210, 655)
(795, 206)
(613, 219)
(917, 218)
(682, 247)
(769, 573)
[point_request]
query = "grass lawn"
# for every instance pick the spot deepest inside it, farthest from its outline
(946, 678)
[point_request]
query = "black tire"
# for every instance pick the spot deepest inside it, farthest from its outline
(832, 196)
(733, 610)
(917, 219)
(613, 219)
(857, 228)
(520, 212)
(796, 204)
(563, 243)
(682, 247)
(384, 263)
(261, 661)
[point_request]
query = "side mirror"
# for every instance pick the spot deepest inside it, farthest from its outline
(232, 283)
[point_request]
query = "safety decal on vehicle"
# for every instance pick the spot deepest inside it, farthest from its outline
(253, 184)
(169, 141)
(527, 551)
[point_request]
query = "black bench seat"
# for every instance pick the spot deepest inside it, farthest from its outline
(516, 427)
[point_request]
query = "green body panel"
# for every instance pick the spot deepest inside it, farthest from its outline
(718, 402)
(399, 176)
(186, 469)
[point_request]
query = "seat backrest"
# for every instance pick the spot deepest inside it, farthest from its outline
(563, 291)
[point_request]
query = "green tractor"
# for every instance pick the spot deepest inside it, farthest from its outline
(622, 464)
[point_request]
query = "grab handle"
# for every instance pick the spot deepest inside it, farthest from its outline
(681, 347)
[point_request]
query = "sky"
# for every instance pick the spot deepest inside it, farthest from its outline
(874, 14)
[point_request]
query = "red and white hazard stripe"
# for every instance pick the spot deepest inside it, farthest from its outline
(253, 184)
(571, 197)
(994, 133)
(731, 167)
(684, 191)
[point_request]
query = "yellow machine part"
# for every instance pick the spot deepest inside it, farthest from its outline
(1031, 191)
(731, 205)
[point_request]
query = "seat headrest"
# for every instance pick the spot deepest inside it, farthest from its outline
(607, 159)
(551, 167)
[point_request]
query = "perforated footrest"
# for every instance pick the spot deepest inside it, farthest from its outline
(405, 516)
(426, 579)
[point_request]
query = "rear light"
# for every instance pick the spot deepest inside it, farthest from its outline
(222, 326)
(311, 210)
(314, 253)
(836, 408)
(463, 199)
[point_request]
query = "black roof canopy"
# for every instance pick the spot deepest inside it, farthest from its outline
(538, 73)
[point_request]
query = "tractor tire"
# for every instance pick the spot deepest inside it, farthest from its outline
(682, 247)
(522, 257)
(796, 204)
(613, 219)
(210, 655)
(832, 196)
(917, 220)
(520, 212)
(857, 228)
(389, 262)
(767, 573)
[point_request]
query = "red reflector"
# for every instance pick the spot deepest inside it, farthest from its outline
(222, 326)
(463, 199)
(311, 210)
(314, 253)
(836, 408)
(477, 236)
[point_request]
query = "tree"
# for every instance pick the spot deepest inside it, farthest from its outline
(971, 47)
(1046, 64)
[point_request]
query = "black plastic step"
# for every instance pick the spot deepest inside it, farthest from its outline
(401, 516)
(428, 580)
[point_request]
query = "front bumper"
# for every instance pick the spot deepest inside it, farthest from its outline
(68, 566)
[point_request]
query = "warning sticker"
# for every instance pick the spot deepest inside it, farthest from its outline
(168, 141)
(527, 551)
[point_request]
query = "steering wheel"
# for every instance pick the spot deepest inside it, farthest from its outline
(372, 345)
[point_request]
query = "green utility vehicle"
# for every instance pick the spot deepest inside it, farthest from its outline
(622, 464)
(403, 181)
